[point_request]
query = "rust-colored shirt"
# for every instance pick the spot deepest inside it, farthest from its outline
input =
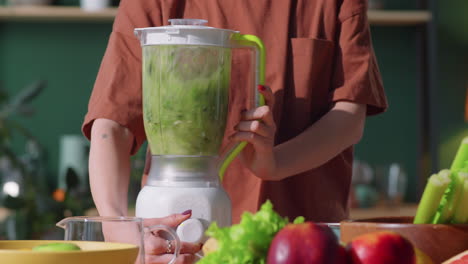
(318, 52)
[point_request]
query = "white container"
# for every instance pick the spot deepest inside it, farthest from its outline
(175, 185)
(73, 154)
(94, 5)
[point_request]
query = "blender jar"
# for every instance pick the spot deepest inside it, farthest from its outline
(186, 79)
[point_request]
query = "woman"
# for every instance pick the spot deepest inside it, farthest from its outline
(323, 81)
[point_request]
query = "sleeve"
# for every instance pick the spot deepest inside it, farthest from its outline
(117, 90)
(356, 74)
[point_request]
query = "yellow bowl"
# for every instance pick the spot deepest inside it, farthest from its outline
(19, 252)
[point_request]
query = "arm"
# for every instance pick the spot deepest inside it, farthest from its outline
(109, 166)
(109, 173)
(336, 131)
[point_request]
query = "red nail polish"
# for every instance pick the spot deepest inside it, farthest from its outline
(187, 212)
(261, 88)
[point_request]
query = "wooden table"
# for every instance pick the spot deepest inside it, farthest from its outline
(379, 211)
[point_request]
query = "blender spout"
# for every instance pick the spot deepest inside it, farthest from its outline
(63, 223)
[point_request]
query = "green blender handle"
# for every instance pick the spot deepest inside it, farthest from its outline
(257, 43)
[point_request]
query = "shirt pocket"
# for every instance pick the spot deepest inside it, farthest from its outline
(312, 62)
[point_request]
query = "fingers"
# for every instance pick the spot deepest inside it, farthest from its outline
(260, 143)
(263, 113)
(166, 258)
(159, 250)
(255, 126)
(189, 248)
(155, 245)
(267, 95)
(185, 259)
(173, 220)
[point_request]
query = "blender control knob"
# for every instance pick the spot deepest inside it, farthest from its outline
(191, 231)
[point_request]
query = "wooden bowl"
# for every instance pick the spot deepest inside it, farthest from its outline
(440, 242)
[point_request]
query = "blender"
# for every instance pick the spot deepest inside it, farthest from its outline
(186, 75)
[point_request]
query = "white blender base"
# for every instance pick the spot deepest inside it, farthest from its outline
(208, 204)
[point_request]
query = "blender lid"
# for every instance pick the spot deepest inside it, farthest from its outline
(185, 32)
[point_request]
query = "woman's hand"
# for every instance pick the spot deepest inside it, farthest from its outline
(158, 249)
(258, 127)
(158, 246)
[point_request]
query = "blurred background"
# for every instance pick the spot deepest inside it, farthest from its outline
(50, 52)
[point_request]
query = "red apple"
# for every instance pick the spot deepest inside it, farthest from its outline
(342, 256)
(306, 243)
(381, 247)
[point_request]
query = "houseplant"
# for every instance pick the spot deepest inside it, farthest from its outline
(24, 188)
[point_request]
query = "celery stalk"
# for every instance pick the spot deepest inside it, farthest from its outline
(431, 197)
(444, 214)
(455, 189)
(461, 210)
(459, 181)
(459, 162)
(450, 199)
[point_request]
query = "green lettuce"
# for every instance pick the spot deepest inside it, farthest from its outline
(248, 241)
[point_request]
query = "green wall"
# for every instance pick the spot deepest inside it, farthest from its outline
(392, 137)
(67, 56)
(452, 76)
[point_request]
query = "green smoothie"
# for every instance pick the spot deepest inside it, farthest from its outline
(185, 98)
